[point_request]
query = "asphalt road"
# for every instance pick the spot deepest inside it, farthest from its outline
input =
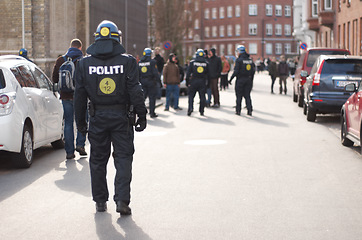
(219, 176)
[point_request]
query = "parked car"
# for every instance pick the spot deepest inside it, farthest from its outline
(351, 116)
(183, 87)
(31, 114)
(304, 66)
(324, 88)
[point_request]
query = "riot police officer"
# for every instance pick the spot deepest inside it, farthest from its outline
(109, 79)
(196, 80)
(244, 71)
(149, 78)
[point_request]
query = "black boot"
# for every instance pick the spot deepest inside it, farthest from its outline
(123, 208)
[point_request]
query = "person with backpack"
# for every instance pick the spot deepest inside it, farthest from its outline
(63, 74)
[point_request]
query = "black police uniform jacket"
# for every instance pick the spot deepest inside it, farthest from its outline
(148, 69)
(107, 77)
(198, 69)
(244, 69)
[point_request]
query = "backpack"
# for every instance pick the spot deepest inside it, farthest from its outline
(66, 74)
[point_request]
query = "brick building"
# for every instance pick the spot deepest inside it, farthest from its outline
(50, 25)
(264, 28)
(337, 23)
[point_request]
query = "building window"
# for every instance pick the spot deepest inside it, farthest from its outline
(222, 12)
(269, 48)
(278, 10)
(287, 48)
(207, 13)
(237, 11)
(253, 10)
(287, 30)
(237, 30)
(269, 10)
(287, 11)
(253, 48)
(214, 31)
(196, 6)
(327, 4)
(278, 48)
(314, 8)
(230, 30)
(222, 31)
(269, 29)
(253, 28)
(190, 51)
(190, 34)
(214, 13)
(278, 29)
(230, 11)
(207, 32)
(222, 49)
(197, 26)
(230, 49)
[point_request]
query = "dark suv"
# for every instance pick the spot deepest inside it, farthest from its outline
(324, 88)
(305, 64)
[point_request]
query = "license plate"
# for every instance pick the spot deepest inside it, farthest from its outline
(344, 83)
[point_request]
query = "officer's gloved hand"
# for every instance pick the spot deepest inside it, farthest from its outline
(141, 123)
(83, 130)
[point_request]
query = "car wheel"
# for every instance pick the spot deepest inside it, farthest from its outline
(295, 96)
(300, 101)
(311, 114)
(344, 140)
(60, 143)
(304, 108)
(25, 158)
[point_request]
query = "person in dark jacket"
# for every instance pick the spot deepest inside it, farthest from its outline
(273, 72)
(171, 80)
(244, 71)
(215, 68)
(75, 53)
(150, 79)
(109, 79)
(160, 62)
(283, 71)
(196, 78)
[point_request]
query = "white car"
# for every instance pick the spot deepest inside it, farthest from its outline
(31, 114)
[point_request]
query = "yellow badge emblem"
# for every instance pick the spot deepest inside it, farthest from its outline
(105, 31)
(200, 69)
(144, 69)
(248, 67)
(107, 85)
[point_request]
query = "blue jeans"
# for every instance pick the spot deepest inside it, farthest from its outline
(174, 91)
(69, 128)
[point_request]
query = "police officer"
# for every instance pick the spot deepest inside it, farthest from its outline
(196, 80)
(149, 78)
(109, 79)
(24, 53)
(244, 71)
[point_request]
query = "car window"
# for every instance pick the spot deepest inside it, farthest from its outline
(2, 79)
(314, 68)
(28, 79)
(40, 78)
(313, 55)
(18, 76)
(342, 66)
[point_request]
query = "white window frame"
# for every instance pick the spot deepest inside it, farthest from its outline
(253, 29)
(207, 13)
(221, 12)
(269, 48)
(196, 6)
(253, 10)
(207, 32)
(214, 13)
(287, 48)
(287, 11)
(197, 24)
(222, 49)
(230, 30)
(287, 30)
(278, 29)
(278, 10)
(230, 49)
(269, 10)
(237, 11)
(190, 34)
(230, 11)
(237, 29)
(269, 29)
(314, 8)
(214, 31)
(278, 49)
(222, 31)
(328, 4)
(253, 48)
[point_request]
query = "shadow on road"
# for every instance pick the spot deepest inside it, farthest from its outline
(106, 230)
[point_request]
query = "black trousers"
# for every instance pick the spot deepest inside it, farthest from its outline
(197, 85)
(243, 89)
(149, 88)
(106, 128)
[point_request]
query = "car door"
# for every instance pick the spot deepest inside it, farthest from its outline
(354, 111)
(35, 102)
(52, 106)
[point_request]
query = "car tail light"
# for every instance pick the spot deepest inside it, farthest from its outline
(6, 103)
(317, 76)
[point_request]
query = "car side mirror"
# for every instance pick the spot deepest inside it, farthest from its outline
(350, 87)
(304, 73)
